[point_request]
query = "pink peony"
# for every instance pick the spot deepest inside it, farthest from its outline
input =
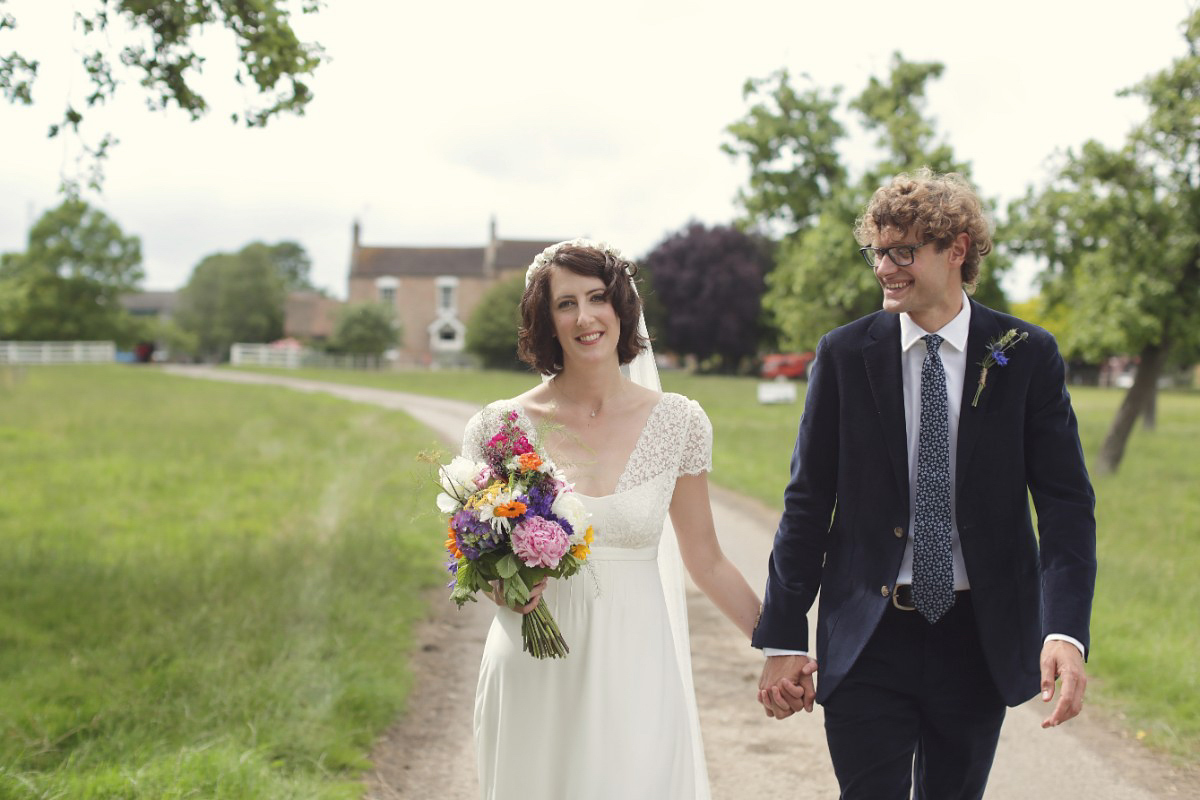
(539, 542)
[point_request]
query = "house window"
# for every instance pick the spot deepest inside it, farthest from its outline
(447, 300)
(447, 334)
(386, 289)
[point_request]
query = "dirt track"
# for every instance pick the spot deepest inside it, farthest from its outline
(427, 752)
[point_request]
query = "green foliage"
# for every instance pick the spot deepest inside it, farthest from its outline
(492, 329)
(293, 263)
(800, 188)
(365, 329)
(68, 282)
(153, 41)
(225, 606)
(233, 297)
(1120, 229)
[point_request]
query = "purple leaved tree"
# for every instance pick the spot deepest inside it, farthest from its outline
(710, 282)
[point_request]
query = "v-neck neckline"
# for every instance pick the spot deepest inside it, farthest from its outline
(628, 459)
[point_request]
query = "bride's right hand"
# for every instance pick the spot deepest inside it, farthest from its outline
(535, 594)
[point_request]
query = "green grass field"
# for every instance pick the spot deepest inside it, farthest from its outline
(1145, 662)
(206, 590)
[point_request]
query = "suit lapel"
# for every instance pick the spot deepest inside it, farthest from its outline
(983, 328)
(881, 356)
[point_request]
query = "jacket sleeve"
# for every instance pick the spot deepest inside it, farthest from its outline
(1063, 496)
(794, 571)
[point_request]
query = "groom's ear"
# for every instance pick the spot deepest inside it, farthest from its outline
(958, 249)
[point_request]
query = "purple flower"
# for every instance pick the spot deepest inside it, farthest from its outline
(998, 354)
(472, 535)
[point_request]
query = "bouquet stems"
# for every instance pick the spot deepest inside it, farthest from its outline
(540, 635)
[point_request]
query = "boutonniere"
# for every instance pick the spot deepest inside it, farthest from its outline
(996, 357)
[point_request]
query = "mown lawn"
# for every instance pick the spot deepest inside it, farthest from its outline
(206, 590)
(1145, 662)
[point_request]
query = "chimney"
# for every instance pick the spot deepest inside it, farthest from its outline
(489, 253)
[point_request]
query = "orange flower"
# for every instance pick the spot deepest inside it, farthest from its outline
(529, 461)
(452, 544)
(511, 509)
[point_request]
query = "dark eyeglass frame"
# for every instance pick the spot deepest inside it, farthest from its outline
(873, 255)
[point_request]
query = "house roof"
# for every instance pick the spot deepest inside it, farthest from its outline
(373, 262)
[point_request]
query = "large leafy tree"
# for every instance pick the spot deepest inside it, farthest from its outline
(366, 329)
(233, 297)
(492, 329)
(1120, 230)
(802, 191)
(710, 284)
(68, 282)
(153, 41)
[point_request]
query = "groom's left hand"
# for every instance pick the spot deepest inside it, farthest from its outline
(1062, 660)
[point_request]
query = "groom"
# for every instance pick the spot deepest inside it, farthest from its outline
(926, 428)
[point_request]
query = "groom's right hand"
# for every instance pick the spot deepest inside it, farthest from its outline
(786, 685)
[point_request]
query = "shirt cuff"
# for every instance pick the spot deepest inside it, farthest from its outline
(1062, 637)
(780, 651)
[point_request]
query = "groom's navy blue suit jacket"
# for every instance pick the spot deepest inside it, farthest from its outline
(846, 507)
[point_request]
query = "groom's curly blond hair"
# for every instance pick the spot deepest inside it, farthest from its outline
(933, 207)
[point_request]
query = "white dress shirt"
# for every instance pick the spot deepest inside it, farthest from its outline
(953, 351)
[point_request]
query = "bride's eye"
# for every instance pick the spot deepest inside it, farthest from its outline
(599, 297)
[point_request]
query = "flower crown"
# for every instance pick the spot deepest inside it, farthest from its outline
(547, 256)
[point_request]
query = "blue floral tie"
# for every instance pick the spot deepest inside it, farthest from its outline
(933, 566)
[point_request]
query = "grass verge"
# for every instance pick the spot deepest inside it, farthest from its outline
(207, 590)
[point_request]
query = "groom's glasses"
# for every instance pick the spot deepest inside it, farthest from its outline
(902, 255)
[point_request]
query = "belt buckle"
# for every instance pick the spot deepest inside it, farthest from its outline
(907, 588)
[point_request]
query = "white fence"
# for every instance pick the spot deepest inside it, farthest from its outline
(264, 355)
(57, 352)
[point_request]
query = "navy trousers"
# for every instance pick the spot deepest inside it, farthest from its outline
(918, 715)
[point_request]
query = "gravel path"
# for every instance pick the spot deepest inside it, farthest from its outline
(427, 752)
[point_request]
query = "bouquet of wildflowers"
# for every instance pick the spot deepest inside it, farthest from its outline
(513, 519)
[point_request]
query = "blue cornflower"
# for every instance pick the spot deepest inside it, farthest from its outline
(999, 356)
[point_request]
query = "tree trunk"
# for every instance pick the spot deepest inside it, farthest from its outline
(1150, 411)
(1144, 387)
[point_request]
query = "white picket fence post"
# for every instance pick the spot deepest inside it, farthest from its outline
(245, 354)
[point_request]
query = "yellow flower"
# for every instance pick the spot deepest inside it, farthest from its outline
(581, 551)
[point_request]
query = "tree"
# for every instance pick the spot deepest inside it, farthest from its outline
(154, 42)
(366, 329)
(710, 282)
(800, 190)
(492, 329)
(293, 263)
(1120, 232)
(233, 297)
(68, 282)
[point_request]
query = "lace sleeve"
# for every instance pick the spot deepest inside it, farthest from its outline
(697, 442)
(472, 446)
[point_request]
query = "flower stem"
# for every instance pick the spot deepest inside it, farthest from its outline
(540, 635)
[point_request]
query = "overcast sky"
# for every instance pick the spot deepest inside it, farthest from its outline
(561, 119)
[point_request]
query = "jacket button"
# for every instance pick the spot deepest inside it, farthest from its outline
(898, 531)
(885, 591)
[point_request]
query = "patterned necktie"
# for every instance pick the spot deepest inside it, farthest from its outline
(933, 566)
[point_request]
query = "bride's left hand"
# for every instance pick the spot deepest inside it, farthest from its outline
(535, 594)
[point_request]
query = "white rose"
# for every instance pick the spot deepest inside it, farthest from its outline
(571, 508)
(447, 504)
(458, 477)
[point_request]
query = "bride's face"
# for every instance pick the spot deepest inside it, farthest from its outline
(585, 322)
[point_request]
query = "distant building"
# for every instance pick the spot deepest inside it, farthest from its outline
(157, 304)
(433, 290)
(310, 316)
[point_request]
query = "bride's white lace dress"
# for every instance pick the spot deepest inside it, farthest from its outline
(615, 719)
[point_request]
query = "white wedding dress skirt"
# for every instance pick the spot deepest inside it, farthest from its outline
(615, 719)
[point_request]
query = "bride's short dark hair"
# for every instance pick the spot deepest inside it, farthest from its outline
(536, 343)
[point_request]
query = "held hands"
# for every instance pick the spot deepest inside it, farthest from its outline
(535, 594)
(786, 685)
(1062, 660)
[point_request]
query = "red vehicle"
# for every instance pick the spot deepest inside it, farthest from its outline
(787, 365)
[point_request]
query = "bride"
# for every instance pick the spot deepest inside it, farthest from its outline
(616, 718)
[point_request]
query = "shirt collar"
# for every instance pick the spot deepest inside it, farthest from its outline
(953, 332)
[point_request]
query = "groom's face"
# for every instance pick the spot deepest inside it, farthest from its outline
(930, 288)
